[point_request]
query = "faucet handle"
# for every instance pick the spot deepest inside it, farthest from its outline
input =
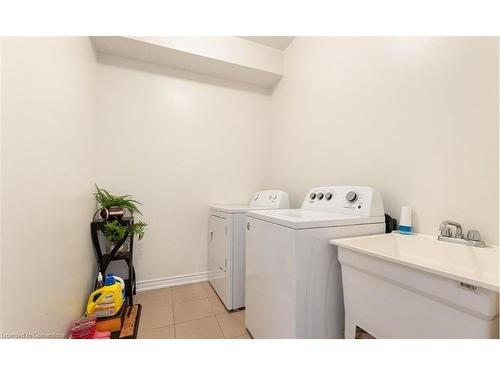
(474, 235)
(445, 229)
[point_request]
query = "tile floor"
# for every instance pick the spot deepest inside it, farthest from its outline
(190, 311)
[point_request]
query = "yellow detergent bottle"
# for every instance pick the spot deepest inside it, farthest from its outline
(106, 301)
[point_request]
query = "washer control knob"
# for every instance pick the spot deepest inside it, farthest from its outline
(320, 196)
(351, 196)
(312, 195)
(328, 196)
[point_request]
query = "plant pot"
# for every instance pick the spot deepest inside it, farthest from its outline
(112, 213)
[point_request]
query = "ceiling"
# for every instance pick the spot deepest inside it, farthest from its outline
(278, 42)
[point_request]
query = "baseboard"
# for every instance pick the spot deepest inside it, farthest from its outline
(166, 282)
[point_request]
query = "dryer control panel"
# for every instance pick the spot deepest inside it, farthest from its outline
(270, 198)
(353, 200)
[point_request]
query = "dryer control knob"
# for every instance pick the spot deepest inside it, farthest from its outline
(351, 196)
(312, 195)
(319, 196)
(328, 196)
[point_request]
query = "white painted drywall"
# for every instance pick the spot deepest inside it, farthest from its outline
(47, 149)
(229, 49)
(228, 58)
(417, 118)
(178, 142)
(277, 42)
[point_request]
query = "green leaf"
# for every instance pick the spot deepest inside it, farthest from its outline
(107, 200)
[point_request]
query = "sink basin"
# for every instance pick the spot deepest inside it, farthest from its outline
(413, 286)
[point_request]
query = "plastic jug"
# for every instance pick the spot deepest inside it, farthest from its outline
(122, 283)
(106, 301)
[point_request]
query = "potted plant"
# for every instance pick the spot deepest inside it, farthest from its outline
(111, 209)
(113, 206)
(114, 231)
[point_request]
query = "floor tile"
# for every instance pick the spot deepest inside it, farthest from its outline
(154, 317)
(209, 290)
(190, 292)
(232, 324)
(157, 290)
(192, 310)
(245, 336)
(217, 306)
(158, 333)
(205, 328)
(156, 298)
(201, 284)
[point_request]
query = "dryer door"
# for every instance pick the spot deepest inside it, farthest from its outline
(218, 257)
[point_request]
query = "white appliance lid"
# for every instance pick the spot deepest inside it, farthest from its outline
(300, 218)
(264, 199)
(235, 208)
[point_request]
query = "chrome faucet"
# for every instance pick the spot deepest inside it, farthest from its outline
(446, 230)
(473, 237)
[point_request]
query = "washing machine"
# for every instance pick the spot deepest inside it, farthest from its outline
(293, 276)
(226, 245)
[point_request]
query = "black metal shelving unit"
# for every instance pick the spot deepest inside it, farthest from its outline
(104, 259)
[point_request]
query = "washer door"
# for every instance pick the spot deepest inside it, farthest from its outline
(218, 255)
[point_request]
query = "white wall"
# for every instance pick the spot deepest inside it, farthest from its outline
(417, 118)
(230, 49)
(228, 58)
(47, 148)
(178, 142)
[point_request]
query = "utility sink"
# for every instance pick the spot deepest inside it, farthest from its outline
(414, 286)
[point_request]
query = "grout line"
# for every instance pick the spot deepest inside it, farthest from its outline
(155, 328)
(207, 298)
(207, 316)
(220, 327)
(182, 286)
(193, 320)
(191, 301)
(173, 310)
